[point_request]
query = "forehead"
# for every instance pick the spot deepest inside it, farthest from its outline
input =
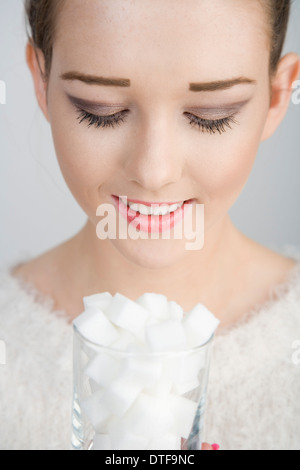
(211, 39)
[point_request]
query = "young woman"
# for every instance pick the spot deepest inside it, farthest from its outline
(159, 104)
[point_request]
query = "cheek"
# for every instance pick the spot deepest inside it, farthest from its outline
(228, 159)
(86, 160)
(88, 157)
(225, 171)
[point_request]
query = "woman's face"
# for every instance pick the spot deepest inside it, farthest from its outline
(181, 134)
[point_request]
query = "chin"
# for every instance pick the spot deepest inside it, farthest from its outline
(151, 254)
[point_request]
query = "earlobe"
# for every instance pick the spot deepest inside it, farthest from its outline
(35, 62)
(288, 72)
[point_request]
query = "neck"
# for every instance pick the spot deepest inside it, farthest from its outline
(197, 277)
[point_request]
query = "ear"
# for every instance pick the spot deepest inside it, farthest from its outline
(36, 63)
(287, 73)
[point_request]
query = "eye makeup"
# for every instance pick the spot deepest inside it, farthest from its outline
(211, 125)
(208, 119)
(215, 119)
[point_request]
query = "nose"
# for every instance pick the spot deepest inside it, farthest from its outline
(155, 160)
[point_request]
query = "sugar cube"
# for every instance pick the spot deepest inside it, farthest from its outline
(120, 394)
(156, 304)
(127, 314)
(142, 369)
(166, 442)
(199, 325)
(96, 411)
(95, 327)
(149, 416)
(184, 412)
(102, 442)
(122, 438)
(101, 300)
(103, 368)
(175, 311)
(165, 336)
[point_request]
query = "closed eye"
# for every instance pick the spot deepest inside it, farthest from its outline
(211, 125)
(104, 121)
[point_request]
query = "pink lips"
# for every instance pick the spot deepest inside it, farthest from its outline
(136, 201)
(151, 223)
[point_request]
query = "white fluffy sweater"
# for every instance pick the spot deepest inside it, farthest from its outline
(254, 387)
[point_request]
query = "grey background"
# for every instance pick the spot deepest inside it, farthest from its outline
(37, 210)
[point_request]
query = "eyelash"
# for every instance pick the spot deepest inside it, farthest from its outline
(102, 121)
(211, 126)
(204, 125)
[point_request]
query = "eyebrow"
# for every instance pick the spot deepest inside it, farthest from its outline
(125, 82)
(221, 84)
(94, 80)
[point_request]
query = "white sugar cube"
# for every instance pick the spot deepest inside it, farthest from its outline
(149, 416)
(184, 412)
(161, 388)
(94, 387)
(122, 438)
(120, 395)
(180, 388)
(167, 442)
(175, 311)
(143, 370)
(124, 340)
(156, 304)
(101, 300)
(127, 314)
(166, 336)
(199, 325)
(102, 442)
(96, 411)
(95, 327)
(103, 368)
(183, 370)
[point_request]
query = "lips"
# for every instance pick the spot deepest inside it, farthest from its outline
(153, 217)
(152, 208)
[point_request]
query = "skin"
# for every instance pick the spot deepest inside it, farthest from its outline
(156, 155)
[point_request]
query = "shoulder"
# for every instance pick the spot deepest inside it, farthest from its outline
(30, 287)
(40, 272)
(37, 365)
(47, 274)
(51, 276)
(263, 277)
(266, 268)
(11, 291)
(275, 274)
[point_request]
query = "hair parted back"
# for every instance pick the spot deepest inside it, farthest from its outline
(42, 16)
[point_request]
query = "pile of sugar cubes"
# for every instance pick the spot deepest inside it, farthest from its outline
(140, 386)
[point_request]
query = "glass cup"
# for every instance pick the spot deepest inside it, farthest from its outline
(136, 400)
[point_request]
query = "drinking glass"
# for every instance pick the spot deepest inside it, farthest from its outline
(138, 400)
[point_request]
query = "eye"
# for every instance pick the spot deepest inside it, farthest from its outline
(209, 125)
(111, 120)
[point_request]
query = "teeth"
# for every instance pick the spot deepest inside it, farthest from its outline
(155, 209)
